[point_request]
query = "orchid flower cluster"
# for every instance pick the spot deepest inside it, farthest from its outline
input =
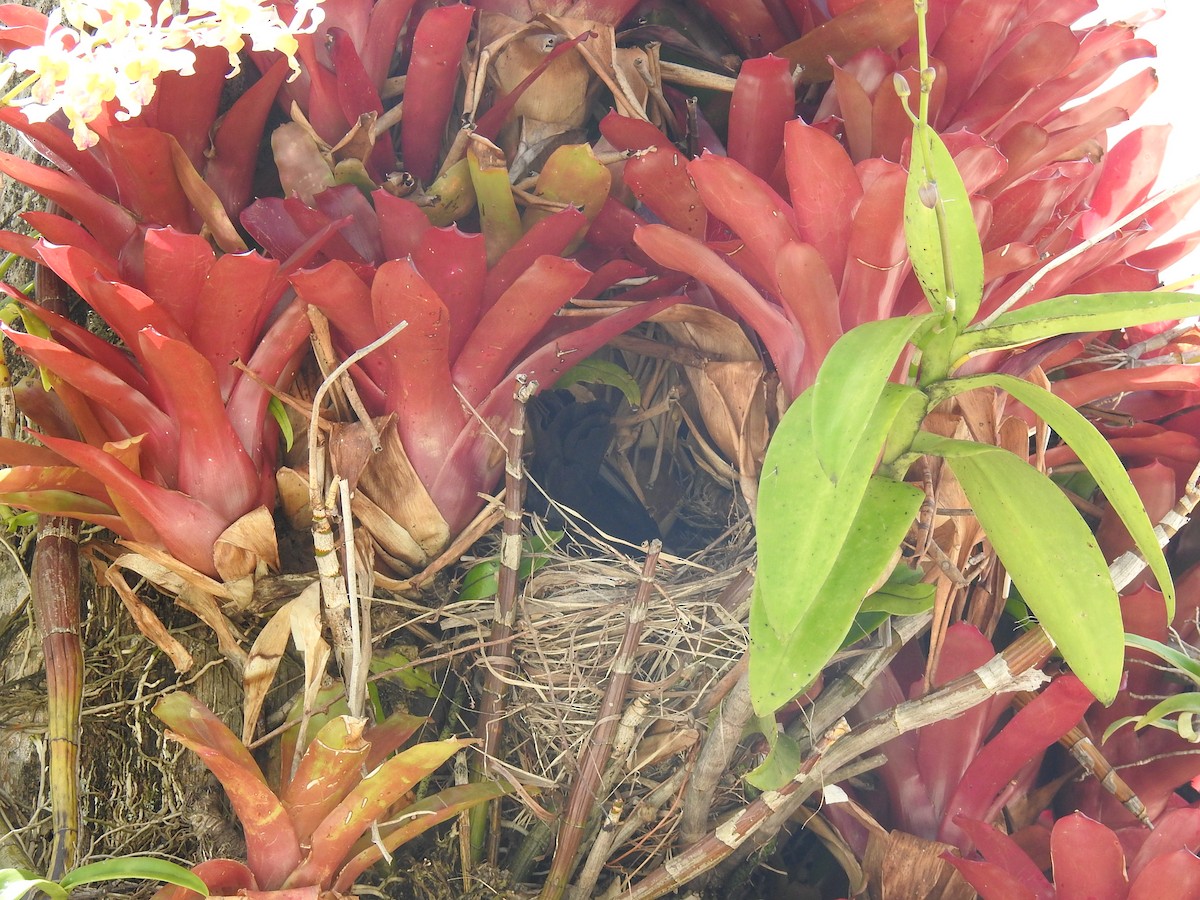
(97, 52)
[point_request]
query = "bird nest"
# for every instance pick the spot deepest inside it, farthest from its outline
(571, 617)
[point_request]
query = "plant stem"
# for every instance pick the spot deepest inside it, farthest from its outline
(500, 661)
(584, 790)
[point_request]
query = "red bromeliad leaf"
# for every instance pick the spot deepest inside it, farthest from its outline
(519, 314)
(1089, 863)
(283, 227)
(124, 308)
(811, 300)
(871, 23)
(438, 45)
(1005, 854)
(763, 99)
(146, 182)
(824, 191)
(111, 225)
(272, 847)
(367, 803)
(177, 266)
(83, 342)
(419, 817)
(677, 251)
(136, 413)
(972, 34)
(387, 737)
(455, 265)
(1084, 389)
(214, 468)
(22, 453)
(362, 232)
(418, 386)
(1040, 54)
(239, 293)
(230, 170)
(946, 749)
(274, 362)
(185, 106)
(61, 230)
(337, 291)
(659, 181)
(1176, 830)
(991, 881)
(1174, 875)
(57, 146)
(548, 237)
(378, 45)
(329, 769)
(185, 526)
(749, 24)
(222, 876)
(1045, 720)
(401, 224)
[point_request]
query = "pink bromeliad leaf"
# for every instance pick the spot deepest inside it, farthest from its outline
(876, 256)
(230, 170)
(677, 251)
(146, 182)
(57, 146)
(238, 294)
(549, 237)
(273, 362)
(1176, 874)
(455, 265)
(750, 207)
(659, 179)
(824, 191)
(764, 98)
(272, 847)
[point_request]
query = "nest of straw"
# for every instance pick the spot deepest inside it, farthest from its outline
(571, 615)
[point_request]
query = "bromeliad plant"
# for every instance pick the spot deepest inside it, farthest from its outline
(834, 506)
(327, 823)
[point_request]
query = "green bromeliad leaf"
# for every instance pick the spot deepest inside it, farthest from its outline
(939, 229)
(1096, 453)
(1049, 552)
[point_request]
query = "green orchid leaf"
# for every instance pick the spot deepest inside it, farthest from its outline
(940, 231)
(782, 762)
(1075, 314)
(804, 515)
(900, 599)
(141, 868)
(785, 660)
(849, 384)
(1180, 704)
(603, 371)
(1177, 658)
(1049, 552)
(277, 412)
(16, 883)
(1093, 451)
